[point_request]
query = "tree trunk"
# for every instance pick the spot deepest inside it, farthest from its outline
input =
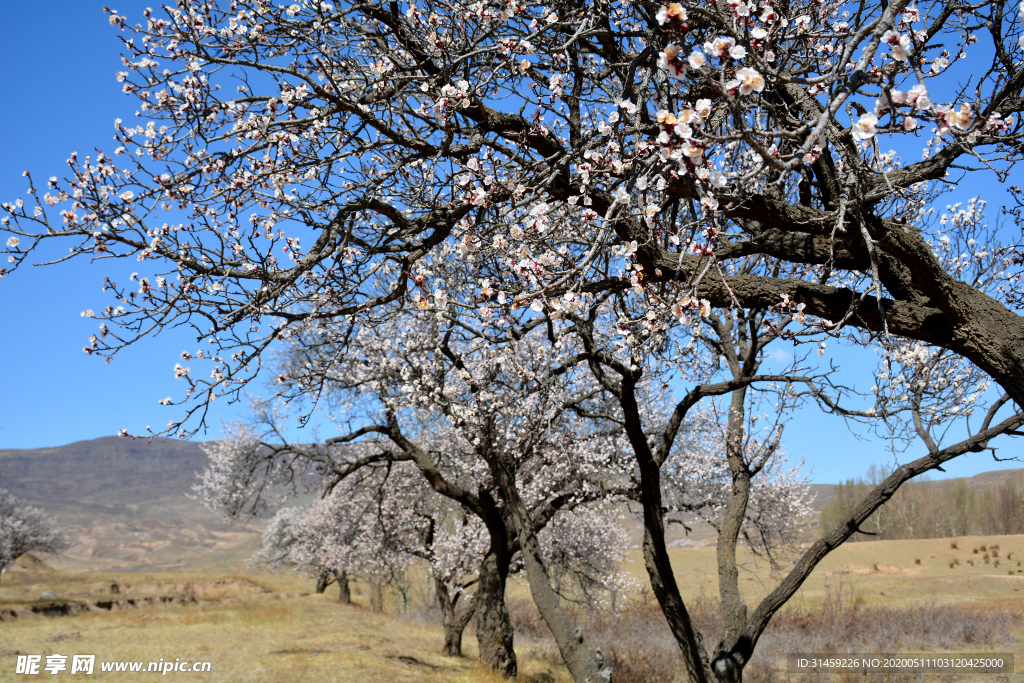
(323, 580)
(726, 666)
(582, 661)
(659, 567)
(454, 625)
(376, 594)
(344, 592)
(663, 580)
(494, 632)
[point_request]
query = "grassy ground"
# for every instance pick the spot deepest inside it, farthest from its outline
(864, 597)
(876, 572)
(287, 634)
(255, 626)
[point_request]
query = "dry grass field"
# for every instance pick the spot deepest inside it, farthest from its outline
(921, 596)
(876, 572)
(250, 627)
(256, 626)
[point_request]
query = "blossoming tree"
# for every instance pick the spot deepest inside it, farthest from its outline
(489, 426)
(313, 170)
(26, 529)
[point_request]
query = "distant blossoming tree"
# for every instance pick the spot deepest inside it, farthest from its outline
(276, 551)
(26, 529)
(416, 384)
(372, 527)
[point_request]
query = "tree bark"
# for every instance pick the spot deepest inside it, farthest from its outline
(659, 567)
(494, 632)
(454, 625)
(579, 658)
(733, 609)
(376, 594)
(344, 592)
(323, 580)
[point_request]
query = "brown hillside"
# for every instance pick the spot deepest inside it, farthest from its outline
(126, 500)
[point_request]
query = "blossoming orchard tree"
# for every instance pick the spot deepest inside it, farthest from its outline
(279, 537)
(371, 525)
(492, 427)
(611, 175)
(920, 393)
(26, 529)
(520, 403)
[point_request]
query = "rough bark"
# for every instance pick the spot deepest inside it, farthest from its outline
(733, 609)
(659, 567)
(494, 632)
(323, 580)
(579, 658)
(344, 592)
(454, 624)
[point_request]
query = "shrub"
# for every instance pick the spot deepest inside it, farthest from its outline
(639, 647)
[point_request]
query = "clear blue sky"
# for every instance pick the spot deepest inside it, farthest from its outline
(57, 66)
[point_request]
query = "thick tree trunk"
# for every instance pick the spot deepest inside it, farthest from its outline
(494, 632)
(452, 639)
(454, 625)
(344, 592)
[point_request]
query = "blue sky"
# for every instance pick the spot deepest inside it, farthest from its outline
(60, 58)
(57, 66)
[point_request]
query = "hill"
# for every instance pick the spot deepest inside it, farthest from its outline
(127, 502)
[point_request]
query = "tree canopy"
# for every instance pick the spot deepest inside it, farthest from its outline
(653, 193)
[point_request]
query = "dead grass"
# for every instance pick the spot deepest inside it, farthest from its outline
(897, 574)
(864, 597)
(248, 636)
(640, 648)
(910, 596)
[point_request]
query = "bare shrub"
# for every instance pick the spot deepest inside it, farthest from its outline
(952, 544)
(638, 645)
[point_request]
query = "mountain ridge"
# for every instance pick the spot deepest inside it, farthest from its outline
(127, 500)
